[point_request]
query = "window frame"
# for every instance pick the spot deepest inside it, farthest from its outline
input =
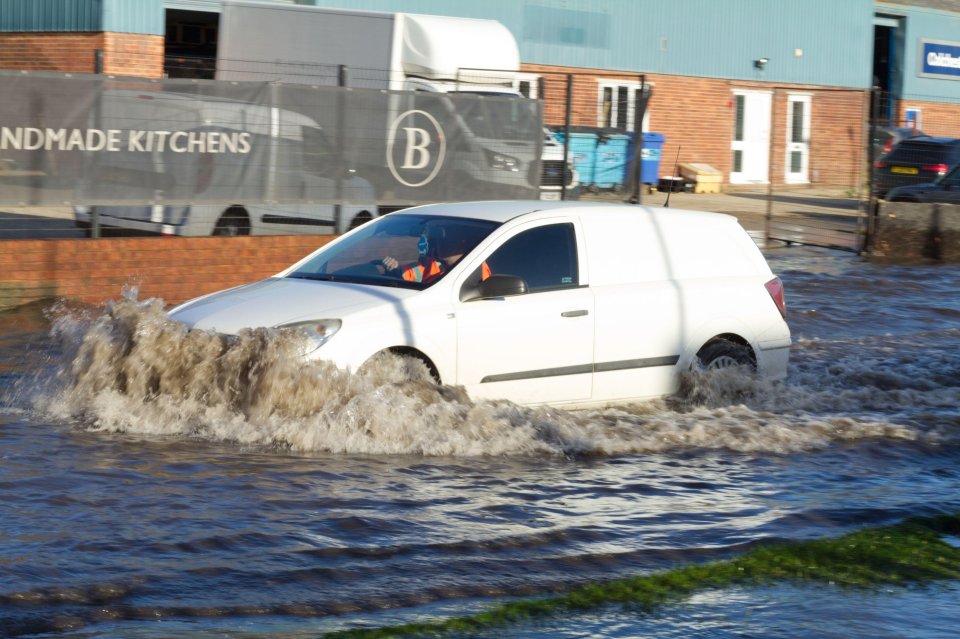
(632, 88)
(573, 247)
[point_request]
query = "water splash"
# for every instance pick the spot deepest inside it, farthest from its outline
(132, 369)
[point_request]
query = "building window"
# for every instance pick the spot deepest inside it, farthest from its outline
(617, 105)
(796, 125)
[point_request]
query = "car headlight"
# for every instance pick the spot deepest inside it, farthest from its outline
(317, 331)
(502, 161)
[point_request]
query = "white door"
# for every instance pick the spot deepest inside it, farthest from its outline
(536, 347)
(798, 140)
(751, 137)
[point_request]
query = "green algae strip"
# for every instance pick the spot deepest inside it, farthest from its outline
(913, 551)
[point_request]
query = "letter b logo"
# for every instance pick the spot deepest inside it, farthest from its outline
(415, 157)
(417, 142)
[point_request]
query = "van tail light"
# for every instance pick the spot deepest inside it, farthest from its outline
(936, 168)
(879, 164)
(775, 288)
(888, 145)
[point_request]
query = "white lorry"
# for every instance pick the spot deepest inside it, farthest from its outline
(402, 52)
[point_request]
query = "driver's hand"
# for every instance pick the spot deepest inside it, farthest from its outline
(390, 263)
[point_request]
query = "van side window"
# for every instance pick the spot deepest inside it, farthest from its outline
(545, 257)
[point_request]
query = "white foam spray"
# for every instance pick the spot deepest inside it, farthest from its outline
(132, 369)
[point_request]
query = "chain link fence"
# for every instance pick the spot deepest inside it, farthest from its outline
(798, 164)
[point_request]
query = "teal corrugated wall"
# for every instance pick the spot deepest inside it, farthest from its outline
(51, 15)
(134, 16)
(926, 24)
(711, 38)
(121, 16)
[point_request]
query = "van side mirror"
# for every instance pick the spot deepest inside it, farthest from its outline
(495, 286)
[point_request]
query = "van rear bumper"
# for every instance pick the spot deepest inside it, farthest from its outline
(772, 359)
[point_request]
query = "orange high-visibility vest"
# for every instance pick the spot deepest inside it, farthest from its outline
(419, 271)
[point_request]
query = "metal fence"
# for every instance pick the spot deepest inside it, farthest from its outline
(813, 175)
(206, 156)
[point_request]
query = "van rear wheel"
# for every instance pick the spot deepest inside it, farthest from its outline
(722, 353)
(360, 219)
(232, 223)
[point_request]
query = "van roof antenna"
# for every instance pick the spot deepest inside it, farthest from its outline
(676, 167)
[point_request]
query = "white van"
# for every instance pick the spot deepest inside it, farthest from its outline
(563, 303)
(282, 182)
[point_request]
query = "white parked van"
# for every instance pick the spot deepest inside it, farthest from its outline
(563, 303)
(278, 181)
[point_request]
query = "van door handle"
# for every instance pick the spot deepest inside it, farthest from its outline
(579, 313)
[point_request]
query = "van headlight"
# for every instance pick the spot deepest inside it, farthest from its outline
(317, 331)
(502, 161)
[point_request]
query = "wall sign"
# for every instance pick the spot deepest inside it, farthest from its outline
(939, 59)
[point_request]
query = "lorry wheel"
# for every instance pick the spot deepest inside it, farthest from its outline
(722, 353)
(232, 223)
(360, 219)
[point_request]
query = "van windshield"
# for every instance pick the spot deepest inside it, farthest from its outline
(400, 250)
(507, 118)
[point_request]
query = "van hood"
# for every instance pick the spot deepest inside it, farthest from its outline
(278, 301)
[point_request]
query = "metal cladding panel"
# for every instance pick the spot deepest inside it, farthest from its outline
(134, 16)
(211, 6)
(51, 15)
(927, 25)
(682, 37)
(120, 16)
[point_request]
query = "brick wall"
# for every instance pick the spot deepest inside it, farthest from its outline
(936, 118)
(172, 268)
(696, 116)
(123, 53)
(133, 54)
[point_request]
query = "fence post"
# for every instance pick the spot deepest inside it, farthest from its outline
(95, 231)
(566, 137)
(768, 222)
(98, 61)
(639, 110)
(872, 205)
(341, 106)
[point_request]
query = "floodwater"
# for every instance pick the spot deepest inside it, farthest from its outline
(158, 484)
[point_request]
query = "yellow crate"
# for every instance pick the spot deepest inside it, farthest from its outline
(706, 178)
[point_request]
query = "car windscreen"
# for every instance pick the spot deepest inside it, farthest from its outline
(401, 250)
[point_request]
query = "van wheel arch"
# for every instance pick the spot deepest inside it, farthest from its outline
(233, 222)
(724, 351)
(360, 219)
(413, 353)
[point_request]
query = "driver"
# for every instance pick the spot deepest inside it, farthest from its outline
(438, 252)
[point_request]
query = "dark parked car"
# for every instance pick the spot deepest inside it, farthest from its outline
(915, 161)
(887, 137)
(946, 189)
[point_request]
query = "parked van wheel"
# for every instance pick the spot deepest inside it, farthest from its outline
(360, 219)
(722, 353)
(232, 223)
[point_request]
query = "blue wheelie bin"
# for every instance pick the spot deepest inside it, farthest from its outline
(650, 157)
(583, 152)
(612, 160)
